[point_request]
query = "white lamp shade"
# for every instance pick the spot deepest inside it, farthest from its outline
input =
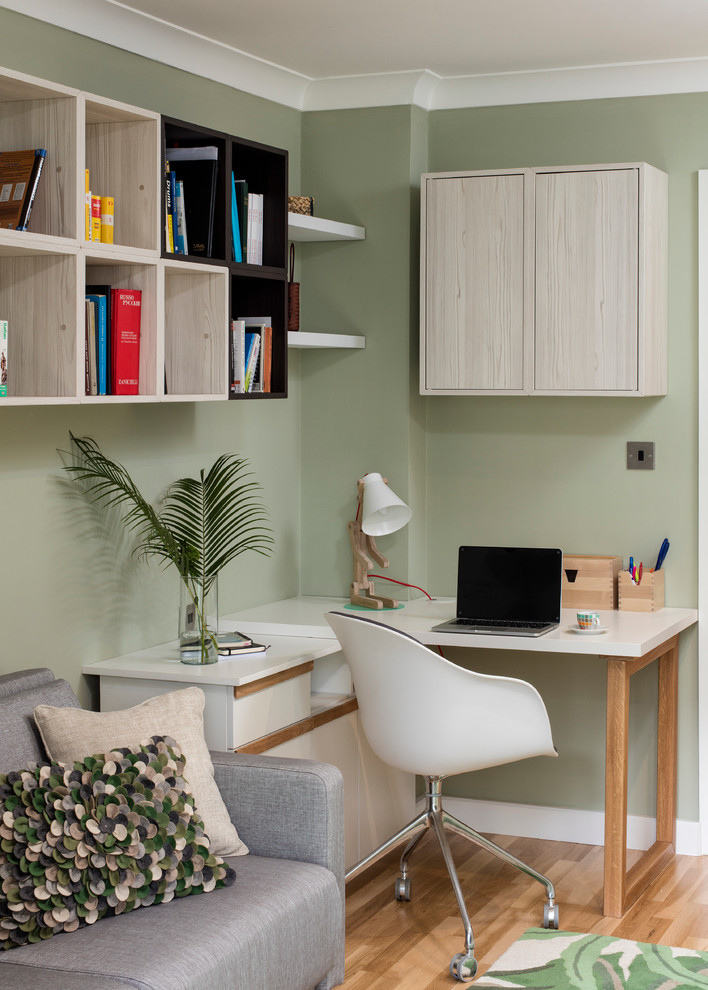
(382, 511)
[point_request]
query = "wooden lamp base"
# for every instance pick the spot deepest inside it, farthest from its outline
(362, 587)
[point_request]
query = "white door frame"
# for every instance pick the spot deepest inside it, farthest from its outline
(703, 512)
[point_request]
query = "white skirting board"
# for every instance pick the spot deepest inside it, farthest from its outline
(562, 824)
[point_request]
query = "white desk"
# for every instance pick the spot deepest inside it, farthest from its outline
(633, 641)
(295, 700)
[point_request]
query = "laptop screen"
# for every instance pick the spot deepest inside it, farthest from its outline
(512, 583)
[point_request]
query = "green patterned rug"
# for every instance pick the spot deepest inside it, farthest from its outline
(548, 960)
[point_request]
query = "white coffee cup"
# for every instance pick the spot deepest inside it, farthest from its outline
(589, 619)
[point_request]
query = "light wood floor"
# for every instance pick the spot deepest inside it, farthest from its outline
(394, 945)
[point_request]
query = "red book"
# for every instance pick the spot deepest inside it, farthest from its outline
(125, 341)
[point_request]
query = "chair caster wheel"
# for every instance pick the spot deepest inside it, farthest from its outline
(550, 916)
(402, 889)
(463, 966)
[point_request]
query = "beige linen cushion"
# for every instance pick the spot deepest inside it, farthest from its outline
(71, 734)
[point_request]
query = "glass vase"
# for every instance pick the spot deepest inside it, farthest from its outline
(198, 619)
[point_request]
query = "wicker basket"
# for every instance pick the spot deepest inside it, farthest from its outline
(301, 204)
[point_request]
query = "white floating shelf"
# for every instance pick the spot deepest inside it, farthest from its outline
(306, 228)
(305, 338)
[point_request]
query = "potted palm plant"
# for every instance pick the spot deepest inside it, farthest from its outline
(200, 526)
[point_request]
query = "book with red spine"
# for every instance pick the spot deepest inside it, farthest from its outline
(125, 342)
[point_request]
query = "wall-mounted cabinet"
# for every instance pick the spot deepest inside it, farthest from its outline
(548, 281)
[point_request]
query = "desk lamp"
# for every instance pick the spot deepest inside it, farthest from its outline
(379, 511)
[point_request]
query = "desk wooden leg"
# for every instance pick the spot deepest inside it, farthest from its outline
(622, 888)
(616, 751)
(667, 744)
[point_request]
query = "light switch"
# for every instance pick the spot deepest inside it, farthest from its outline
(640, 455)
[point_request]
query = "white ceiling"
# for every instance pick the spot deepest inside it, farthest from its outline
(321, 38)
(432, 45)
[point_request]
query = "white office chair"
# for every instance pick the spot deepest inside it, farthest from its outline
(425, 715)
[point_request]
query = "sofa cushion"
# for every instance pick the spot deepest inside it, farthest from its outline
(21, 680)
(114, 833)
(69, 734)
(279, 925)
(20, 741)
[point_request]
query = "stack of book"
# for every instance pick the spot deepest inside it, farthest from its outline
(251, 354)
(190, 199)
(19, 178)
(234, 643)
(112, 340)
(98, 215)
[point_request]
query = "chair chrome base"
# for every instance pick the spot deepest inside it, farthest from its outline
(463, 966)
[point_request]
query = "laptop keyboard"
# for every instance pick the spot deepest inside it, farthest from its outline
(500, 623)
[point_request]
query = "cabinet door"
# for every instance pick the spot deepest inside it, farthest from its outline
(587, 272)
(473, 283)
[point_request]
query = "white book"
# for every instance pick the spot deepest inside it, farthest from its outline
(254, 255)
(258, 234)
(238, 335)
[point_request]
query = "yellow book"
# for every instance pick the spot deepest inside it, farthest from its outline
(107, 211)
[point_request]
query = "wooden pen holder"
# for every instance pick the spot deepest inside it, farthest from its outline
(647, 596)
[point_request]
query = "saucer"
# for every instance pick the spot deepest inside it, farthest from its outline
(592, 631)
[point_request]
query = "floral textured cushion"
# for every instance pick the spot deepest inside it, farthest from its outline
(113, 833)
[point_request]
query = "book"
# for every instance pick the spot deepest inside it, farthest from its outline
(197, 168)
(233, 640)
(235, 225)
(87, 206)
(107, 216)
(101, 341)
(226, 652)
(95, 217)
(169, 231)
(238, 358)
(3, 357)
(91, 367)
(253, 346)
(242, 207)
(39, 158)
(126, 307)
(181, 216)
(254, 254)
(267, 357)
(16, 170)
(173, 211)
(104, 290)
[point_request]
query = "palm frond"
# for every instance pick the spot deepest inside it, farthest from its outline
(221, 514)
(203, 523)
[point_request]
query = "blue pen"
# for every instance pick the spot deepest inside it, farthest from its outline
(662, 554)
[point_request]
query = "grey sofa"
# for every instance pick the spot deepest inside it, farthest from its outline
(281, 924)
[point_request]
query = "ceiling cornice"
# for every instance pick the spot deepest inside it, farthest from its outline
(110, 22)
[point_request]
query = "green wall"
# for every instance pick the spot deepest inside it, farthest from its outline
(69, 590)
(551, 471)
(507, 470)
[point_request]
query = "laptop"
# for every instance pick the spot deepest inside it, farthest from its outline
(507, 591)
